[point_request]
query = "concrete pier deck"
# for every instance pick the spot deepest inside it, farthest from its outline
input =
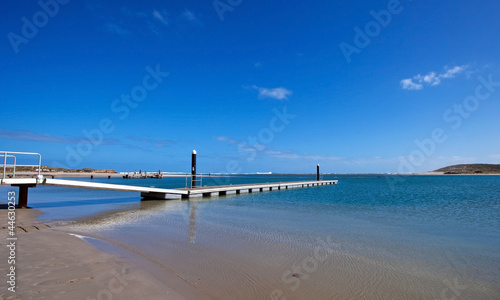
(160, 193)
(208, 191)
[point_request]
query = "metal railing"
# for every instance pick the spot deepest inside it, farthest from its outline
(10, 154)
(198, 181)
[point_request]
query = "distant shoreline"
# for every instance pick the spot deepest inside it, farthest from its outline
(81, 174)
(121, 174)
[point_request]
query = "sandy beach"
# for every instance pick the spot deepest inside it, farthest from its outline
(52, 264)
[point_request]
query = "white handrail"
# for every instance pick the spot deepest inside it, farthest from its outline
(10, 154)
(5, 158)
(198, 180)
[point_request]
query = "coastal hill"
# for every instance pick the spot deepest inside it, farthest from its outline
(470, 169)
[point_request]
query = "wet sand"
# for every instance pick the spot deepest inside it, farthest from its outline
(224, 263)
(52, 264)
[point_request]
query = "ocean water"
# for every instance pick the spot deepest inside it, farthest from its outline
(368, 237)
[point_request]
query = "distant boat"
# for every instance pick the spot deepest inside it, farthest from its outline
(264, 173)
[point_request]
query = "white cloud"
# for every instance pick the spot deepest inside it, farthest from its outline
(295, 155)
(116, 29)
(432, 79)
(226, 139)
(35, 137)
(417, 82)
(264, 150)
(133, 22)
(455, 70)
(408, 84)
(160, 16)
(21, 135)
(136, 14)
(279, 93)
(158, 143)
(190, 17)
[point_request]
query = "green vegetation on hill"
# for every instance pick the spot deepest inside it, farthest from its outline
(471, 169)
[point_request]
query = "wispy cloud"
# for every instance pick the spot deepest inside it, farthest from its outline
(191, 17)
(128, 22)
(418, 82)
(226, 139)
(242, 146)
(296, 155)
(279, 93)
(160, 16)
(408, 84)
(136, 14)
(114, 28)
(264, 150)
(46, 138)
(159, 143)
(453, 71)
(34, 137)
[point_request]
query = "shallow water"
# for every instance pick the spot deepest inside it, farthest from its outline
(369, 237)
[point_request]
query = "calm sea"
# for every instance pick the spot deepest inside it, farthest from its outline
(369, 237)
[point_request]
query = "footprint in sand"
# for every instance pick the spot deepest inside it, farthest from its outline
(52, 282)
(74, 280)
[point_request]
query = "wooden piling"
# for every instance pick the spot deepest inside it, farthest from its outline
(22, 201)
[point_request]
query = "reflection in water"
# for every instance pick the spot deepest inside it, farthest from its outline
(192, 221)
(151, 204)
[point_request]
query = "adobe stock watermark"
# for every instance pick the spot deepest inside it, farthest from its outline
(121, 108)
(255, 144)
(11, 242)
(115, 285)
(362, 37)
(453, 289)
(30, 27)
(223, 6)
(293, 277)
(455, 117)
(265, 136)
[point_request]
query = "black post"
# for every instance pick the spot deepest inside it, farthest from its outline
(193, 169)
(317, 172)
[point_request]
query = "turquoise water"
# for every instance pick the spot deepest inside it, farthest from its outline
(408, 240)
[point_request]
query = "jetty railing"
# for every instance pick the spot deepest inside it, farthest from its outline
(11, 154)
(198, 181)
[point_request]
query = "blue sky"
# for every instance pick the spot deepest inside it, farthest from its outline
(369, 86)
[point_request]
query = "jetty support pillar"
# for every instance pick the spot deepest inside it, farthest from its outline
(22, 201)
